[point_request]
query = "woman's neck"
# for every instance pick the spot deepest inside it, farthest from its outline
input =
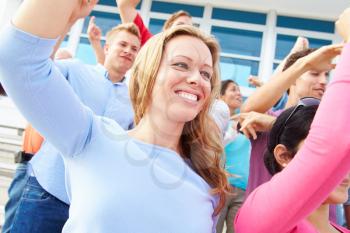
(320, 220)
(158, 131)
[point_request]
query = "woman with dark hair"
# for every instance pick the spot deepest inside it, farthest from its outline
(237, 151)
(287, 133)
(311, 173)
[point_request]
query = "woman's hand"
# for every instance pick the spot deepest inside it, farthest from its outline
(321, 59)
(255, 81)
(343, 25)
(83, 9)
(253, 122)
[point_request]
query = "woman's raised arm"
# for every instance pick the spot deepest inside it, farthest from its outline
(33, 81)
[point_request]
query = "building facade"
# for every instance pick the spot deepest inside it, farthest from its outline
(254, 35)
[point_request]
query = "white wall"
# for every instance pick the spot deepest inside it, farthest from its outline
(317, 9)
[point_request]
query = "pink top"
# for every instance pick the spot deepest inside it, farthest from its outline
(282, 204)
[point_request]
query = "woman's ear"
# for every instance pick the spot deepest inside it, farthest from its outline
(282, 155)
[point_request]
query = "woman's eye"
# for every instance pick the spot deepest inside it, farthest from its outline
(181, 65)
(206, 75)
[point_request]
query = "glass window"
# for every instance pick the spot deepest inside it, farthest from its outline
(85, 52)
(275, 65)
(238, 69)
(239, 41)
(156, 25)
(305, 24)
(113, 3)
(285, 44)
(170, 8)
(106, 21)
(239, 16)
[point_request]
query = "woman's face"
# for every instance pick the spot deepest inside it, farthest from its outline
(312, 84)
(232, 96)
(340, 194)
(182, 84)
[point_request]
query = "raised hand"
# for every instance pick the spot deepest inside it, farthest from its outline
(253, 122)
(300, 44)
(255, 81)
(93, 31)
(343, 25)
(321, 59)
(82, 10)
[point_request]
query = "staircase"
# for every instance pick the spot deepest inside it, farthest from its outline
(12, 126)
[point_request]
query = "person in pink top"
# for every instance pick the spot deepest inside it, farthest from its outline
(296, 199)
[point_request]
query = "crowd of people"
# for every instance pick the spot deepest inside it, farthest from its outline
(172, 148)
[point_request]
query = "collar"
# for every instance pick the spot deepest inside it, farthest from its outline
(102, 70)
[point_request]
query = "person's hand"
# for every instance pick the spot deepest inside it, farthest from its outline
(255, 81)
(343, 25)
(93, 31)
(321, 59)
(300, 44)
(83, 9)
(127, 3)
(253, 122)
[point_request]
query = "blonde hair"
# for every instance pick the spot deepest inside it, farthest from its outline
(174, 17)
(128, 27)
(200, 143)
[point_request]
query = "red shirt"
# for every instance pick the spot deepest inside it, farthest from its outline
(145, 33)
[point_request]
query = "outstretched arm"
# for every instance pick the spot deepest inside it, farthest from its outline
(127, 10)
(267, 95)
(128, 14)
(265, 98)
(31, 78)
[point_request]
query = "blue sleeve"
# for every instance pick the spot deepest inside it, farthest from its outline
(41, 92)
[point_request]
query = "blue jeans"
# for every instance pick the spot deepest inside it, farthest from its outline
(14, 193)
(39, 211)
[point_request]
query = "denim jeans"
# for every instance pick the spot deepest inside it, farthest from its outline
(39, 211)
(14, 193)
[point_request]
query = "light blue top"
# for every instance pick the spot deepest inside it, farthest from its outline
(281, 102)
(91, 85)
(237, 161)
(117, 184)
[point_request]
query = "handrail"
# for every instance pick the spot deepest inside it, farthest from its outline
(19, 130)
